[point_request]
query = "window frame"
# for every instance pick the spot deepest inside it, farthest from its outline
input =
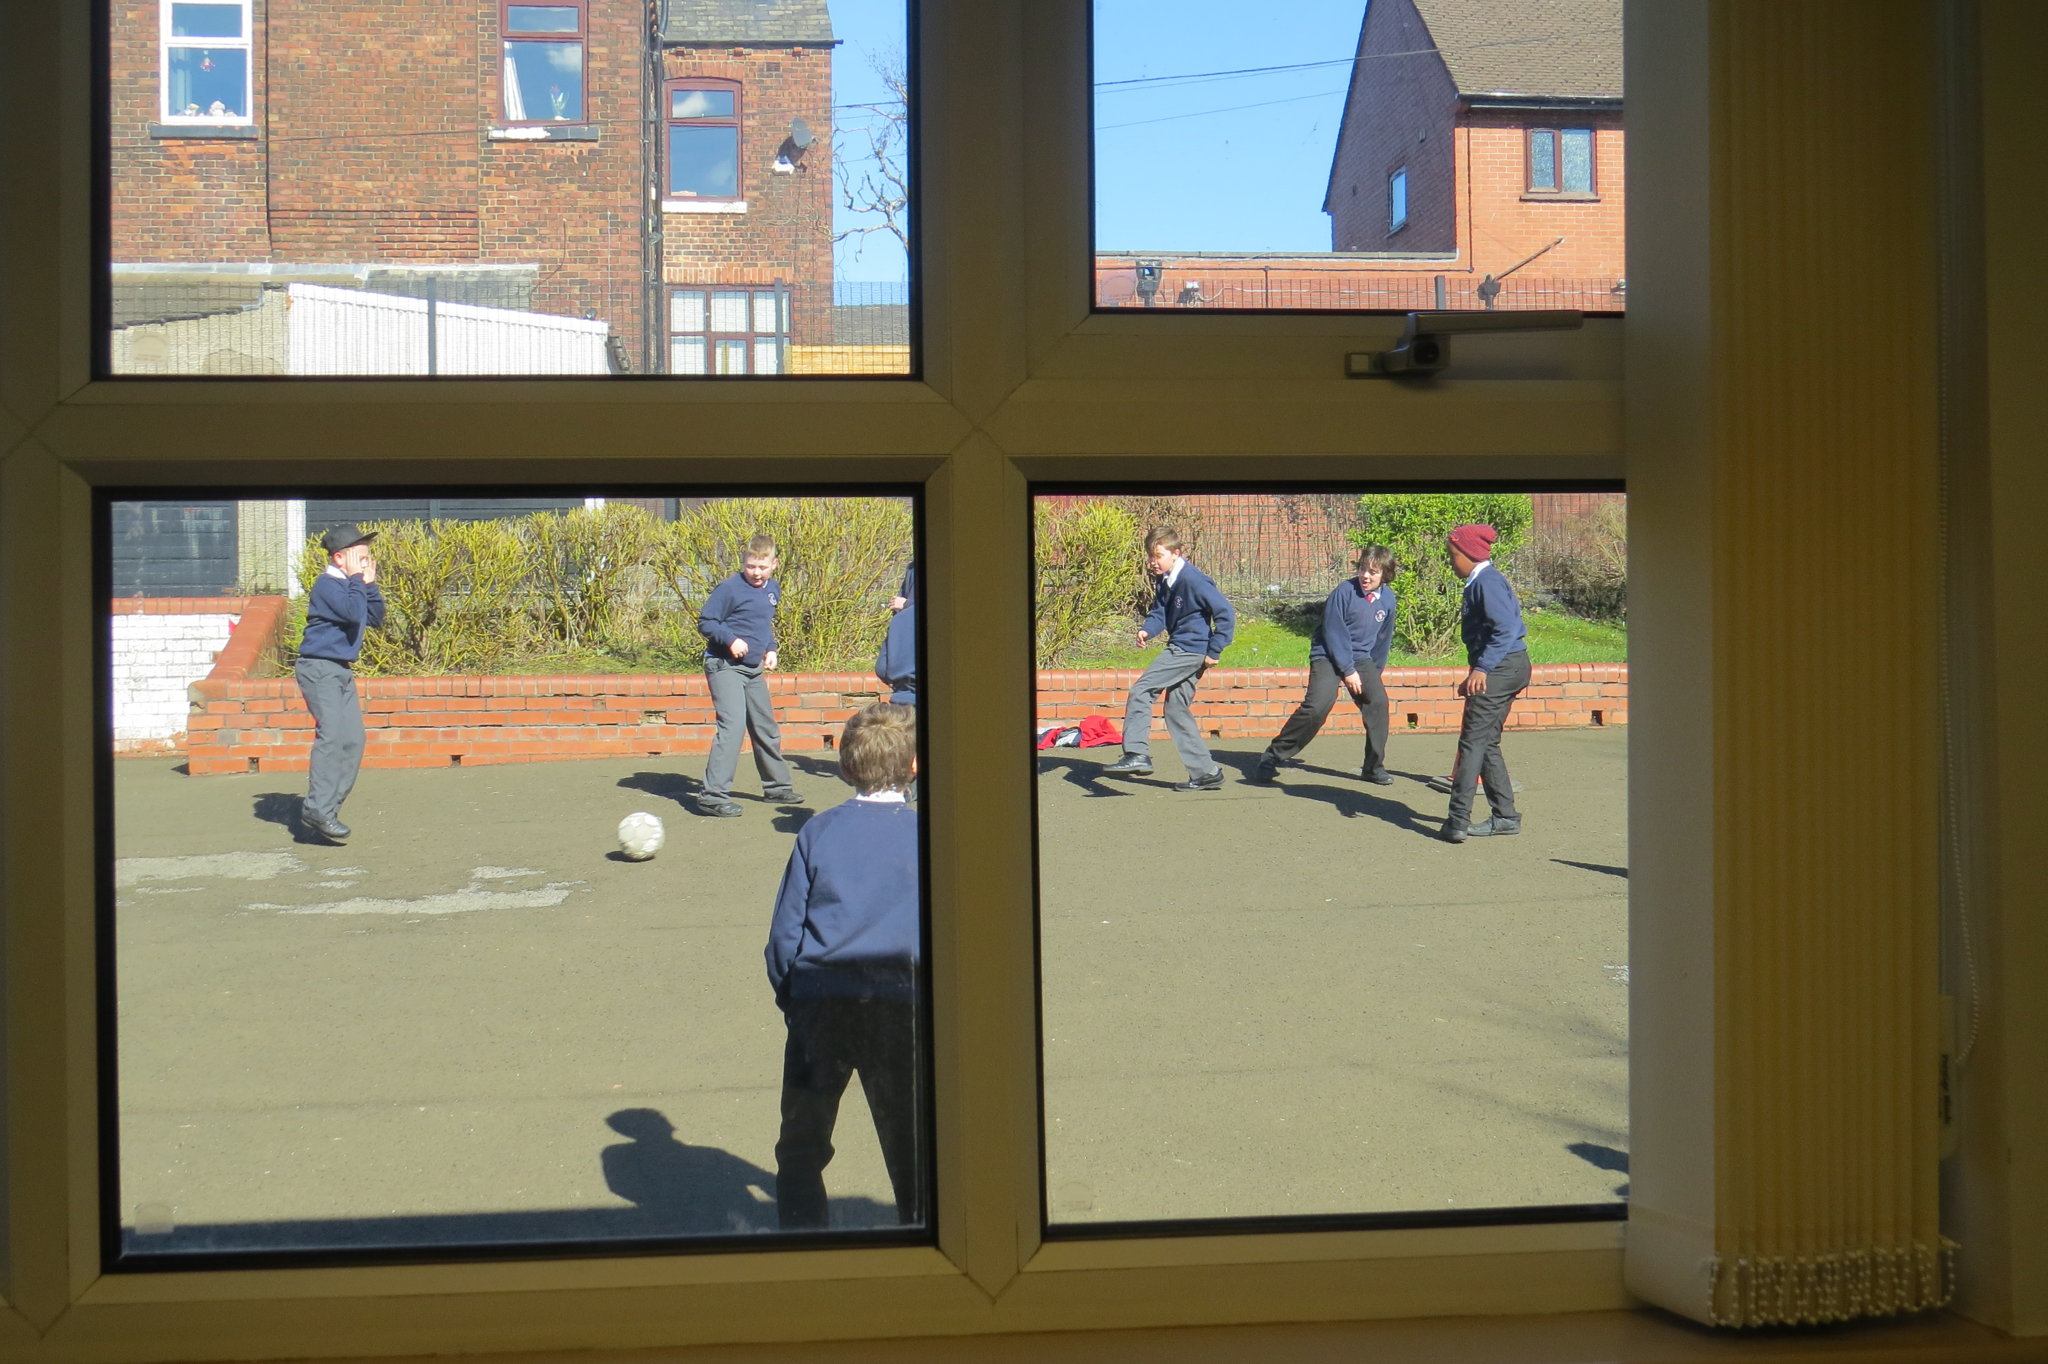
(1556, 137)
(581, 37)
(1397, 199)
(737, 122)
(167, 43)
(781, 337)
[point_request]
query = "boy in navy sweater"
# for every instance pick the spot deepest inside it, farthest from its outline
(738, 625)
(1349, 650)
(1198, 623)
(345, 601)
(1497, 652)
(842, 955)
(896, 664)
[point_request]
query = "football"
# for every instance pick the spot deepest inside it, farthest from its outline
(639, 836)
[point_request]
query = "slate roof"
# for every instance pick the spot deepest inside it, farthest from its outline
(803, 22)
(1560, 49)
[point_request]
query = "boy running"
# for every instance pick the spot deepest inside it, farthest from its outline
(1198, 623)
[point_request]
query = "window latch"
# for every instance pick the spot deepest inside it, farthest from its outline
(1425, 346)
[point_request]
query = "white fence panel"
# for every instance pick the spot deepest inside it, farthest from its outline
(348, 331)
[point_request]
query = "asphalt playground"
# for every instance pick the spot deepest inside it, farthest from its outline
(476, 1024)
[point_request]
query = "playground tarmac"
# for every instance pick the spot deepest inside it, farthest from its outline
(476, 1024)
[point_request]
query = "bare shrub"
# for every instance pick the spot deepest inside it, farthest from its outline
(1582, 569)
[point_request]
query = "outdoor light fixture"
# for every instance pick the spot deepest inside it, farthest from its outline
(1148, 280)
(1425, 347)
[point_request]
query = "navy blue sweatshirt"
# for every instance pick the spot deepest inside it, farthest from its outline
(909, 589)
(1193, 613)
(896, 665)
(846, 917)
(338, 610)
(1490, 620)
(736, 611)
(1358, 627)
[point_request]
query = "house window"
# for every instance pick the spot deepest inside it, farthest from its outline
(729, 331)
(703, 140)
(1561, 161)
(205, 61)
(544, 62)
(1397, 201)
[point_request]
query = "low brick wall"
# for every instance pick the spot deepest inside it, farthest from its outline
(242, 722)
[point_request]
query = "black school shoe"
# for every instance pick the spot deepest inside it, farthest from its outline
(1267, 770)
(1497, 827)
(1453, 833)
(1208, 781)
(719, 809)
(783, 795)
(333, 830)
(1130, 765)
(1379, 778)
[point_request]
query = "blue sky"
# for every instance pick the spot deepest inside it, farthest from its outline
(1180, 164)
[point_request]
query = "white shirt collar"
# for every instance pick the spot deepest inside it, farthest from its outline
(1174, 576)
(1478, 569)
(882, 797)
(334, 571)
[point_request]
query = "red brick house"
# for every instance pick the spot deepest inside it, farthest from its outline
(279, 162)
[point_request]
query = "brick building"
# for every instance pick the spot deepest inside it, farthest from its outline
(469, 186)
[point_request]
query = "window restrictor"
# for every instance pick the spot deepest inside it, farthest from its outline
(1425, 346)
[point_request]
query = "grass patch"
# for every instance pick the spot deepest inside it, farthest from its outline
(1553, 638)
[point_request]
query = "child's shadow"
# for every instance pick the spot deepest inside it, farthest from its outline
(1085, 773)
(666, 785)
(1353, 799)
(791, 818)
(827, 768)
(275, 807)
(681, 1189)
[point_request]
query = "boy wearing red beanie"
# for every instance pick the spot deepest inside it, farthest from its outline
(1497, 652)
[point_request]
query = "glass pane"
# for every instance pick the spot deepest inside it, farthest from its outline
(207, 83)
(730, 357)
(1578, 160)
(1283, 992)
(686, 310)
(1304, 121)
(701, 104)
(687, 355)
(225, 272)
(189, 20)
(283, 936)
(729, 310)
(1397, 198)
(1543, 161)
(543, 81)
(767, 357)
(703, 162)
(541, 19)
(767, 311)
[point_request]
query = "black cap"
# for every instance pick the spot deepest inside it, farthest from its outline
(341, 537)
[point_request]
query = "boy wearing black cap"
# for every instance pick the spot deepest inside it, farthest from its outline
(1497, 652)
(344, 602)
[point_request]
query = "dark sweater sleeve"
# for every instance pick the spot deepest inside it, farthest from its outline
(711, 619)
(1222, 620)
(1336, 630)
(786, 927)
(1155, 620)
(373, 614)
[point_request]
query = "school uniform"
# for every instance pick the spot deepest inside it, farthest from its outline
(1199, 624)
(737, 610)
(1356, 634)
(339, 609)
(896, 664)
(842, 956)
(1497, 644)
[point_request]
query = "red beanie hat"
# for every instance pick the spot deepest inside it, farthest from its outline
(1474, 542)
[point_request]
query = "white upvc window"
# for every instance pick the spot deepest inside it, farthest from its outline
(205, 64)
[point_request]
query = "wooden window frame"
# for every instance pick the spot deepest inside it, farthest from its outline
(737, 122)
(581, 37)
(1531, 190)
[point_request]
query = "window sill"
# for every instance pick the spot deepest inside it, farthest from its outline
(703, 205)
(210, 131)
(1545, 197)
(545, 132)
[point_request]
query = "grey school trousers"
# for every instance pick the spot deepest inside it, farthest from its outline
(1174, 673)
(330, 692)
(1479, 742)
(739, 695)
(1324, 687)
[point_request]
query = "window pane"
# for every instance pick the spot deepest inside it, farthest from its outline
(1397, 198)
(208, 83)
(687, 355)
(767, 311)
(543, 81)
(703, 162)
(1289, 995)
(541, 19)
(701, 104)
(686, 310)
(767, 357)
(1244, 166)
(1543, 161)
(729, 310)
(412, 237)
(206, 21)
(1578, 160)
(730, 357)
(273, 978)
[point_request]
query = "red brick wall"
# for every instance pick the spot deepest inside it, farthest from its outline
(1505, 223)
(1401, 112)
(786, 232)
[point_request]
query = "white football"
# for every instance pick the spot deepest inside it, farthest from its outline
(639, 836)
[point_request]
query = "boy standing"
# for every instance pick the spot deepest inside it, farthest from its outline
(842, 955)
(1350, 648)
(1497, 650)
(1198, 623)
(738, 625)
(344, 602)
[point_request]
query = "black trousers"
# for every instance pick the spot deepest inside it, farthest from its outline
(1324, 687)
(830, 1039)
(1479, 742)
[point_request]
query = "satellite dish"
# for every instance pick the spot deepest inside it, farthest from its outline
(799, 133)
